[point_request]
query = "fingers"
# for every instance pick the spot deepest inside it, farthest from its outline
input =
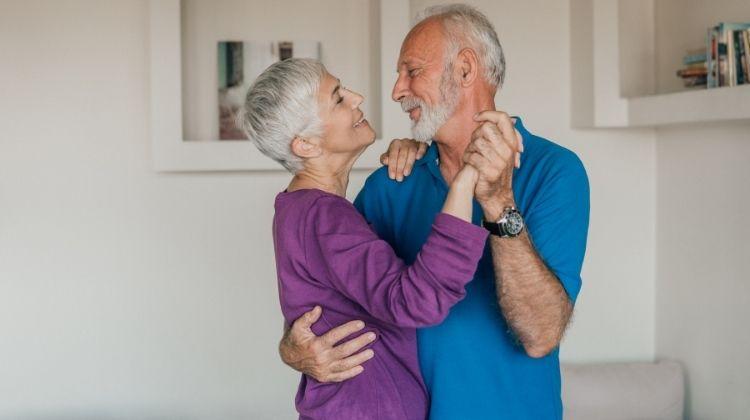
(403, 157)
(494, 117)
(343, 376)
(394, 150)
(307, 319)
(503, 121)
(400, 157)
(342, 331)
(354, 345)
(489, 150)
(480, 163)
(353, 361)
(493, 144)
(422, 150)
(392, 160)
(520, 146)
(498, 130)
(412, 156)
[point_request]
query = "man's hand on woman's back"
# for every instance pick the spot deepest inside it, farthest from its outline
(320, 357)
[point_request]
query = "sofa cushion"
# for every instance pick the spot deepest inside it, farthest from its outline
(619, 391)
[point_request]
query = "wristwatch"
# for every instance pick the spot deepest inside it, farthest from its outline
(509, 225)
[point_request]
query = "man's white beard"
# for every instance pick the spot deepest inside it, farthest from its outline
(432, 118)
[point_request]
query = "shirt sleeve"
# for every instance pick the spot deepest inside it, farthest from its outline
(366, 270)
(558, 220)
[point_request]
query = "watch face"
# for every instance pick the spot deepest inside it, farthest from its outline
(513, 223)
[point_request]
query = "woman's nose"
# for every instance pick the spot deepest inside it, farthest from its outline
(357, 100)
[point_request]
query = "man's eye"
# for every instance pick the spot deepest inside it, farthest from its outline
(413, 72)
(341, 99)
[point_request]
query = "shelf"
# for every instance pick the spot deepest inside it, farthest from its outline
(719, 104)
(614, 61)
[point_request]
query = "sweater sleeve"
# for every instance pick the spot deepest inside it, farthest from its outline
(366, 269)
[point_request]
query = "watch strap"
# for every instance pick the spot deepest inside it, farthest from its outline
(494, 228)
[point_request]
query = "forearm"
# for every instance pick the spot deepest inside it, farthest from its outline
(532, 299)
(421, 294)
(459, 202)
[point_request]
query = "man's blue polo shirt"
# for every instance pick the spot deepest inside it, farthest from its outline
(472, 364)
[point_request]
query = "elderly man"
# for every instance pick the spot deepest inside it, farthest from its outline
(495, 356)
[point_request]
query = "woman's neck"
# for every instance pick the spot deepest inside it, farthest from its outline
(330, 182)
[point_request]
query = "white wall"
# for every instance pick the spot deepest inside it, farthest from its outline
(703, 178)
(703, 292)
(126, 293)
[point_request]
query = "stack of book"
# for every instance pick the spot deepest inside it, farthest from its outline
(728, 55)
(694, 74)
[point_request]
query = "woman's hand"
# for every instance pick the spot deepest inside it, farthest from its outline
(401, 155)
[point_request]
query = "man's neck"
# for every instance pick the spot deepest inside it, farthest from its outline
(455, 135)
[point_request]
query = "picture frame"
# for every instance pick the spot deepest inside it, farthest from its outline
(171, 152)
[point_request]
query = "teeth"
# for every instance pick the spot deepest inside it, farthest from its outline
(359, 122)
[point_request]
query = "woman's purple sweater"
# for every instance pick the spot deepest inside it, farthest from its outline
(327, 255)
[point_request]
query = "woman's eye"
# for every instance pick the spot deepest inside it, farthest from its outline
(341, 99)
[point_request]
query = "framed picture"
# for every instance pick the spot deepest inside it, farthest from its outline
(199, 49)
(239, 64)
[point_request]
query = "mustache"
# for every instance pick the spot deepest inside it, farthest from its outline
(411, 102)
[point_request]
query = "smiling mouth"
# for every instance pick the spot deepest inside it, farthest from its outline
(413, 111)
(360, 122)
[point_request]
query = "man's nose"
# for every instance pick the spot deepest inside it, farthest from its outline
(401, 88)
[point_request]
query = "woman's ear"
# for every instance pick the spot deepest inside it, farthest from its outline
(306, 147)
(467, 64)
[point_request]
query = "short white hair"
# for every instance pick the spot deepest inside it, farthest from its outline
(282, 104)
(464, 24)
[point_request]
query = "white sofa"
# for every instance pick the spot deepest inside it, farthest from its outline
(623, 391)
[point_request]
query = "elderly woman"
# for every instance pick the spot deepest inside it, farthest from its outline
(327, 254)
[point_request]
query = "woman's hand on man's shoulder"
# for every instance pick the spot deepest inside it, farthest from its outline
(401, 155)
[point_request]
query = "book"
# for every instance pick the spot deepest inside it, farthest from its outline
(711, 57)
(721, 61)
(731, 58)
(739, 49)
(694, 58)
(729, 71)
(692, 72)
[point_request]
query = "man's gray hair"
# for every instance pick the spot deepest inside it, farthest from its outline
(464, 25)
(282, 104)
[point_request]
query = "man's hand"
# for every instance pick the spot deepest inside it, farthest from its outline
(495, 149)
(317, 357)
(401, 155)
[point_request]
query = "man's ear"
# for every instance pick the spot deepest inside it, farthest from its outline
(467, 65)
(306, 147)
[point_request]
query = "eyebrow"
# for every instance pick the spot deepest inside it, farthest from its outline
(409, 61)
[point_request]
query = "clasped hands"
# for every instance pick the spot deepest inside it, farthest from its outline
(494, 150)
